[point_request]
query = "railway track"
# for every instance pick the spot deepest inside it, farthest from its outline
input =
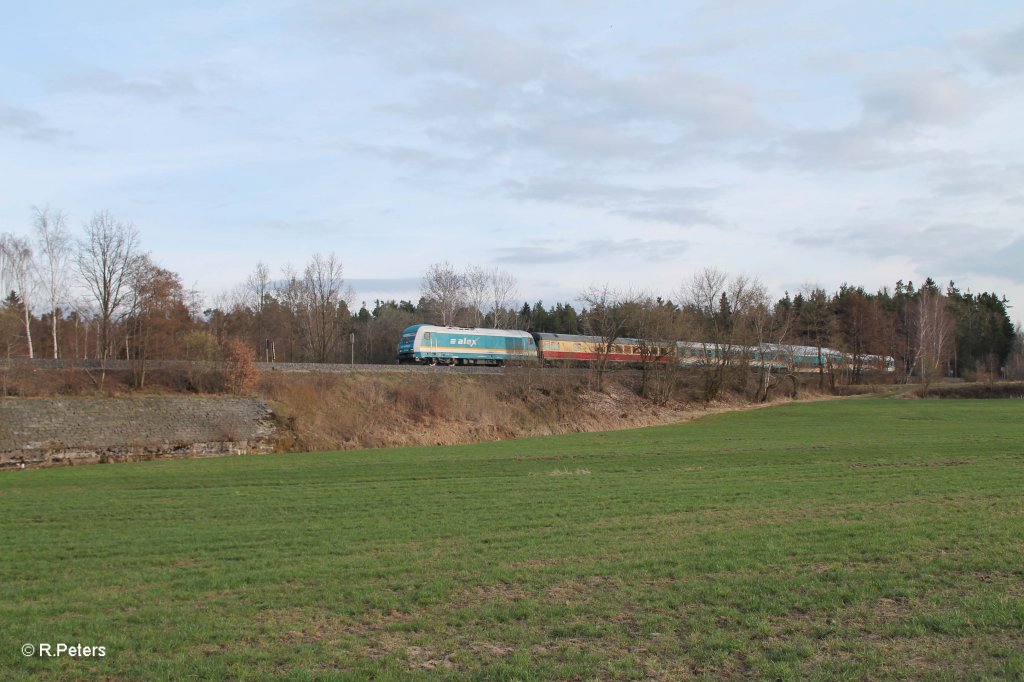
(292, 367)
(283, 367)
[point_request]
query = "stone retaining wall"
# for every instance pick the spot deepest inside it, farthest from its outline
(49, 431)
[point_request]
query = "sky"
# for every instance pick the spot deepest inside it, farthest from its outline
(571, 143)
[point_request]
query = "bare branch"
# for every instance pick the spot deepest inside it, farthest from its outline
(54, 245)
(104, 262)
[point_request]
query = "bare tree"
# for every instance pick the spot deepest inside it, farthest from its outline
(934, 329)
(762, 330)
(781, 355)
(503, 293)
(104, 263)
(445, 291)
(477, 284)
(17, 265)
(83, 316)
(1015, 365)
(608, 314)
(656, 324)
(324, 299)
(139, 301)
(257, 287)
(54, 248)
(815, 324)
(290, 293)
(707, 305)
(723, 314)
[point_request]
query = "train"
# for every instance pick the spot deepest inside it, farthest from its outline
(425, 344)
(434, 345)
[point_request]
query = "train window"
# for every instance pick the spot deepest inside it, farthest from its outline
(578, 347)
(426, 335)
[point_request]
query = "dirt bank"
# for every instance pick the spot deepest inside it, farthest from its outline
(347, 411)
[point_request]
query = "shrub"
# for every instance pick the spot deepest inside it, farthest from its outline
(202, 353)
(240, 366)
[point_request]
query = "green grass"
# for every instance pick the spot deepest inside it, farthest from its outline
(854, 539)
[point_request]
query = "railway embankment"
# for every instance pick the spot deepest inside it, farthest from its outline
(84, 430)
(331, 411)
(299, 411)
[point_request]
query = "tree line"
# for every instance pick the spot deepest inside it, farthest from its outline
(101, 296)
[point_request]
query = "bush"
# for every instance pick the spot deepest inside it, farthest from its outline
(202, 353)
(240, 368)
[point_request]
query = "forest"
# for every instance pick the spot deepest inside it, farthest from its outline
(102, 297)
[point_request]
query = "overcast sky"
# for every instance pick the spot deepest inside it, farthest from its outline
(571, 143)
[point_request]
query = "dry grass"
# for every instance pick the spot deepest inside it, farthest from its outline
(330, 411)
(998, 390)
(347, 411)
(343, 411)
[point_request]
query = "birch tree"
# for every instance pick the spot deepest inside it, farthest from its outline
(935, 332)
(17, 269)
(477, 286)
(503, 293)
(257, 288)
(53, 245)
(444, 288)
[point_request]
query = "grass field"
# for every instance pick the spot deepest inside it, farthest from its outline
(849, 539)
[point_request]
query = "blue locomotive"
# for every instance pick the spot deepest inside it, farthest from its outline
(432, 345)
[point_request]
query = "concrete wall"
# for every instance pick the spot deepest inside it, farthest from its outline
(50, 431)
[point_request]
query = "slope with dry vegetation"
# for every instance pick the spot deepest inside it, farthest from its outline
(326, 411)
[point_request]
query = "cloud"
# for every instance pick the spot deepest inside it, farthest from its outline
(522, 93)
(963, 178)
(542, 90)
(311, 227)
(898, 118)
(1001, 53)
(161, 86)
(923, 97)
(561, 251)
(682, 206)
(419, 157)
(988, 258)
(385, 285)
(940, 249)
(29, 125)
